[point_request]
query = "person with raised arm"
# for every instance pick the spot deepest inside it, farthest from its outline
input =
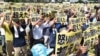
(38, 27)
(2, 34)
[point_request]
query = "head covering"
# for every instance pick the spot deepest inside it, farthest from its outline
(40, 50)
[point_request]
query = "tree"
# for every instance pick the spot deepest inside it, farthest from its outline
(11, 0)
(94, 0)
(80, 1)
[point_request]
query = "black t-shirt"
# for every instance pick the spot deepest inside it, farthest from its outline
(20, 41)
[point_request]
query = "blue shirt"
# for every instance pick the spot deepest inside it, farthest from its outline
(52, 40)
(46, 31)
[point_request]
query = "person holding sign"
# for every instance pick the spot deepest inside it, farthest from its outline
(46, 31)
(87, 23)
(93, 18)
(71, 13)
(8, 36)
(29, 34)
(2, 35)
(18, 32)
(38, 27)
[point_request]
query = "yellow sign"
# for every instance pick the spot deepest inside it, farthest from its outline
(66, 42)
(90, 35)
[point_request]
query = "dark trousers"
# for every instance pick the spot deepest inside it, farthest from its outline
(37, 41)
(85, 54)
(97, 50)
(31, 42)
(3, 43)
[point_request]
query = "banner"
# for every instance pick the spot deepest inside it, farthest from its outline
(61, 19)
(66, 42)
(90, 36)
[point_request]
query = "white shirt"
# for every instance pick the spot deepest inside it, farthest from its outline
(38, 31)
(1, 20)
(85, 8)
(87, 22)
(27, 29)
(2, 31)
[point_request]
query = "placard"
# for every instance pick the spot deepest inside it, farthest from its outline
(66, 42)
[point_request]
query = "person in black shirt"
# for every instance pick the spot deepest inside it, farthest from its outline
(18, 32)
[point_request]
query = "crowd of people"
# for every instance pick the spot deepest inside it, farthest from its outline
(16, 34)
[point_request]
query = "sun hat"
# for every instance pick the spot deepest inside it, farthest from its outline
(40, 50)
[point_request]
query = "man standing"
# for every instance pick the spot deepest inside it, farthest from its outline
(38, 27)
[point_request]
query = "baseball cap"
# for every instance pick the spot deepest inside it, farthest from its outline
(40, 50)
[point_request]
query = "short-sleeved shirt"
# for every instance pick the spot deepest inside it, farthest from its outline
(19, 41)
(8, 34)
(2, 31)
(38, 31)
